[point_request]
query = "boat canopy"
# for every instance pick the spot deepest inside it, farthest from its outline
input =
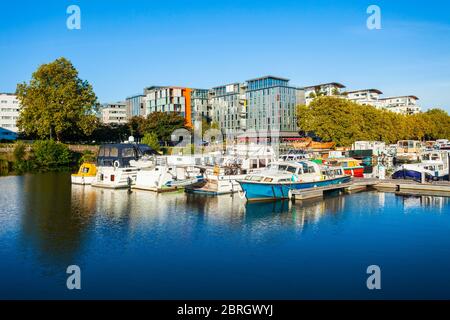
(120, 154)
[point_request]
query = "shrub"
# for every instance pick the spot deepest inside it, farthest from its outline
(151, 139)
(87, 156)
(19, 151)
(49, 154)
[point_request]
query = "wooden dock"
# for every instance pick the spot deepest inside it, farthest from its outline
(400, 187)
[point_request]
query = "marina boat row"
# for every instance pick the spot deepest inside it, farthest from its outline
(255, 169)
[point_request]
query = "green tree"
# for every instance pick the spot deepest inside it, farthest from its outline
(163, 124)
(56, 101)
(137, 126)
(151, 139)
(342, 121)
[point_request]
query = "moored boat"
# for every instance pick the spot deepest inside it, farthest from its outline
(434, 165)
(170, 173)
(408, 151)
(85, 175)
(118, 164)
(222, 177)
(277, 182)
(351, 166)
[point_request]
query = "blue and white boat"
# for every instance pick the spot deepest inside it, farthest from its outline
(283, 177)
(434, 165)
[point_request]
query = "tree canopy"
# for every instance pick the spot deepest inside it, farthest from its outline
(56, 102)
(344, 122)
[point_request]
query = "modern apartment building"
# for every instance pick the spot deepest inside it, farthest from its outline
(365, 96)
(200, 104)
(114, 113)
(263, 104)
(136, 105)
(169, 99)
(9, 111)
(401, 104)
(228, 106)
(324, 89)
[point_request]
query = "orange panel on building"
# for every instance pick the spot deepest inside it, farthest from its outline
(188, 111)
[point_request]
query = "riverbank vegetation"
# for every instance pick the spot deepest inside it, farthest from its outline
(344, 122)
(42, 156)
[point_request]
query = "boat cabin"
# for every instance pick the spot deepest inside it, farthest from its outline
(120, 154)
(409, 146)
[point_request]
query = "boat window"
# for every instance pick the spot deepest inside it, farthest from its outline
(254, 163)
(426, 157)
(85, 170)
(262, 163)
(106, 151)
(309, 170)
(268, 180)
(256, 178)
(114, 152)
(282, 167)
(284, 180)
(128, 153)
(101, 152)
(291, 169)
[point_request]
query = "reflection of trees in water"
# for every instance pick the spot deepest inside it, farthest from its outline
(52, 220)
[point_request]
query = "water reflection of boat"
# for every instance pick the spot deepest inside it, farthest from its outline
(301, 214)
(412, 201)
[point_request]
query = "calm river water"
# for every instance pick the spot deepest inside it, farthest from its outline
(177, 246)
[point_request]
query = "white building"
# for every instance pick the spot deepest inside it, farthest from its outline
(324, 89)
(114, 113)
(9, 111)
(401, 104)
(365, 97)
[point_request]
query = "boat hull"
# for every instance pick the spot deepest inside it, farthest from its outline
(257, 191)
(416, 175)
(357, 172)
(82, 180)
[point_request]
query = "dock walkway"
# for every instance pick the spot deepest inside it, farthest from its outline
(401, 187)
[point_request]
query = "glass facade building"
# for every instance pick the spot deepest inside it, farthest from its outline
(135, 105)
(266, 103)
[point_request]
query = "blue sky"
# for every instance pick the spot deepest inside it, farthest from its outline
(124, 46)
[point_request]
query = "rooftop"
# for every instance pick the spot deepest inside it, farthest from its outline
(414, 97)
(268, 77)
(366, 90)
(336, 84)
